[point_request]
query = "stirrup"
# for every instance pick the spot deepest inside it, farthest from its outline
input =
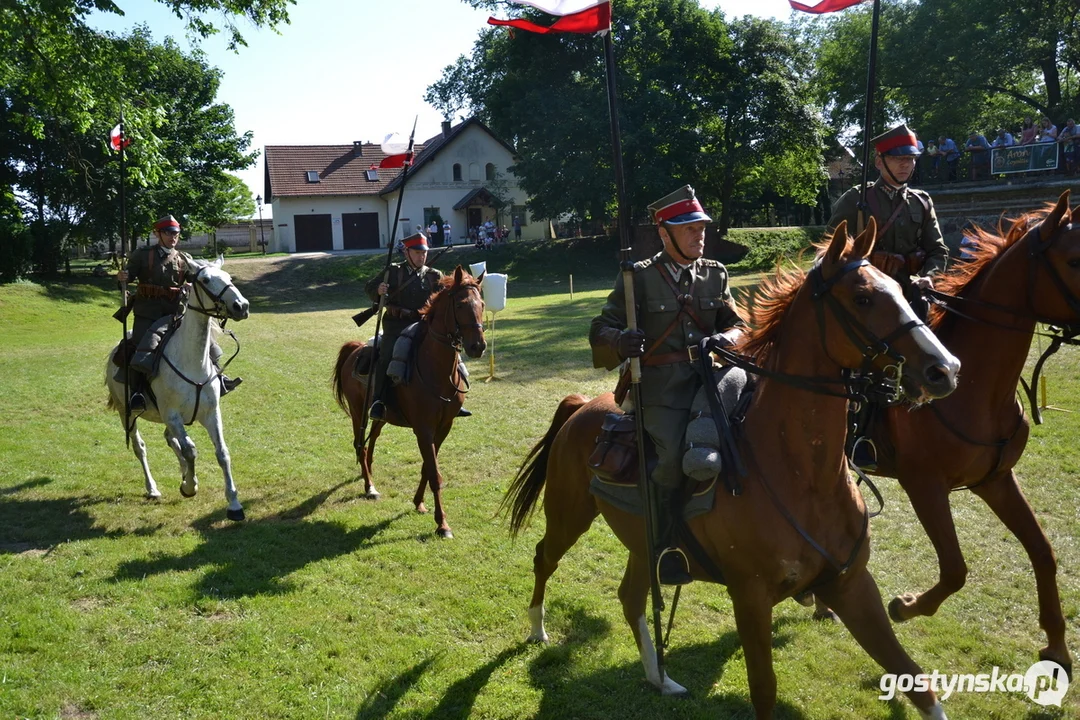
(229, 384)
(378, 410)
(137, 403)
(672, 567)
(864, 454)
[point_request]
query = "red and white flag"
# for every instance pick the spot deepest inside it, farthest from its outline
(575, 16)
(396, 147)
(117, 139)
(824, 6)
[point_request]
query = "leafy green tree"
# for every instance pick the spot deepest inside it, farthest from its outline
(686, 116)
(951, 66)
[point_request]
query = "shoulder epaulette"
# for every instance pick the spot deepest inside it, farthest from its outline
(710, 262)
(642, 264)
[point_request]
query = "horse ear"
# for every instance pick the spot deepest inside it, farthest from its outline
(864, 244)
(837, 243)
(459, 275)
(480, 277)
(220, 261)
(1050, 223)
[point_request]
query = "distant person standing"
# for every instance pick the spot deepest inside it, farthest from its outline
(517, 227)
(433, 230)
(448, 236)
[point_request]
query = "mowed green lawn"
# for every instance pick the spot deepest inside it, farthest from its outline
(326, 605)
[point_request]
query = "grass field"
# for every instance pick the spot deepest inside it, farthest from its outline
(325, 605)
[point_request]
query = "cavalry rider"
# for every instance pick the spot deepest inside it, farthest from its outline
(161, 272)
(682, 297)
(407, 288)
(909, 247)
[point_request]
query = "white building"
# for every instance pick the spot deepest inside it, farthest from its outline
(333, 197)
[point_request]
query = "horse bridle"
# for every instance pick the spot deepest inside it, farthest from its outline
(217, 306)
(456, 338)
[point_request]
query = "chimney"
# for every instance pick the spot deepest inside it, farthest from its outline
(446, 128)
(357, 148)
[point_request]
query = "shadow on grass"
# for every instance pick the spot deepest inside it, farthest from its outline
(39, 524)
(622, 691)
(257, 557)
(457, 703)
(385, 697)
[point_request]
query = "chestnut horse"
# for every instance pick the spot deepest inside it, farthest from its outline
(974, 438)
(451, 321)
(800, 522)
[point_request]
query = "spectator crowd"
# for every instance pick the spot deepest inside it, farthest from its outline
(944, 155)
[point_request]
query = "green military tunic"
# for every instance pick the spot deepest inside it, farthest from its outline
(409, 290)
(157, 269)
(915, 228)
(667, 390)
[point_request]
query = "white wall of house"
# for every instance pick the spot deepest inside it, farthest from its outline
(431, 186)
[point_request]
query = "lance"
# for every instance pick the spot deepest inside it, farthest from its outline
(364, 315)
(626, 262)
(871, 73)
(386, 279)
(123, 287)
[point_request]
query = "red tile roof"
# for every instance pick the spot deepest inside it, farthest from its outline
(340, 171)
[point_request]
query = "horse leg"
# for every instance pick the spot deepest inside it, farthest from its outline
(857, 601)
(139, 447)
(633, 594)
(1007, 501)
(931, 504)
(565, 522)
(753, 620)
(430, 476)
(178, 440)
(365, 460)
(212, 423)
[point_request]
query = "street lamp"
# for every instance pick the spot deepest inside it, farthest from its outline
(262, 231)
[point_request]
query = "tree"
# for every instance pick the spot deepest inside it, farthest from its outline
(63, 85)
(677, 65)
(951, 66)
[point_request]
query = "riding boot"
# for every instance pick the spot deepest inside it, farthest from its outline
(672, 567)
(229, 384)
(137, 401)
(462, 412)
(378, 408)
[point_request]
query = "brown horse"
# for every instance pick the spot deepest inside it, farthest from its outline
(974, 438)
(451, 321)
(797, 493)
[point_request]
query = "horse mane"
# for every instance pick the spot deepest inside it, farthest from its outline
(988, 247)
(446, 284)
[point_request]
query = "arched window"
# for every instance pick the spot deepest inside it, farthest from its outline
(489, 171)
(457, 172)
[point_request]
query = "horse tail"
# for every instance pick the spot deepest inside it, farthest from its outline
(525, 489)
(339, 390)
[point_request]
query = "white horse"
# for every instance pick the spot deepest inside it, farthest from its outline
(187, 387)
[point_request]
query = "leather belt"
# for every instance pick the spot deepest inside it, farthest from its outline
(689, 354)
(146, 290)
(402, 313)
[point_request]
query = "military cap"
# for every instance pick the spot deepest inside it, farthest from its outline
(167, 222)
(678, 208)
(898, 141)
(416, 241)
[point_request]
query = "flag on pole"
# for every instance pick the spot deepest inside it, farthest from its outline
(824, 6)
(117, 139)
(575, 16)
(396, 146)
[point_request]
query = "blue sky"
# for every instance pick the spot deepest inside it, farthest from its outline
(357, 69)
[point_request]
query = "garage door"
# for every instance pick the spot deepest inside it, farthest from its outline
(313, 233)
(360, 230)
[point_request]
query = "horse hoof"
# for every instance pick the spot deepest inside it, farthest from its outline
(193, 492)
(806, 599)
(421, 508)
(156, 495)
(372, 494)
(826, 615)
(896, 606)
(444, 533)
(670, 688)
(1046, 654)
(541, 639)
(235, 515)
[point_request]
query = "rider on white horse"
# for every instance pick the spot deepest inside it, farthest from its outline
(161, 271)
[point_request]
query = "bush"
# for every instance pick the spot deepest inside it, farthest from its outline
(765, 246)
(16, 250)
(210, 252)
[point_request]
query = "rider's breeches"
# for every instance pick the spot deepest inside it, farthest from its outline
(667, 428)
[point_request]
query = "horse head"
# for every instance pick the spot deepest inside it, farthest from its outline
(456, 313)
(871, 326)
(214, 293)
(1055, 275)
